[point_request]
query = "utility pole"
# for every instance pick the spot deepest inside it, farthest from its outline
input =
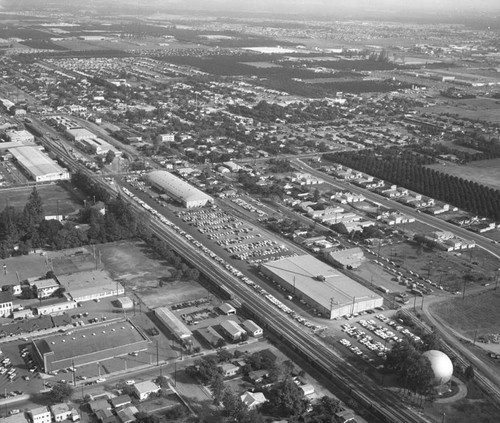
(157, 358)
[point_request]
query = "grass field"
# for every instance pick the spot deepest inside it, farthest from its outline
(483, 109)
(69, 200)
(476, 312)
(486, 172)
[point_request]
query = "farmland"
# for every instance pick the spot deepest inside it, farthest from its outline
(486, 172)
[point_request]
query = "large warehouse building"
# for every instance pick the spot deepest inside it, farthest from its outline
(88, 345)
(178, 189)
(38, 166)
(330, 292)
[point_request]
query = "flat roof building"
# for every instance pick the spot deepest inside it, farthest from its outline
(178, 189)
(91, 285)
(90, 344)
(38, 165)
(321, 286)
(144, 389)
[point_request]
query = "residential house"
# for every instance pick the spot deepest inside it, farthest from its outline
(253, 399)
(229, 369)
(144, 389)
(121, 401)
(5, 303)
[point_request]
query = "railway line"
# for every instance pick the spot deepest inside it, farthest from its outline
(385, 405)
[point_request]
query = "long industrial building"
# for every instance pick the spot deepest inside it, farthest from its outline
(88, 345)
(321, 286)
(38, 165)
(178, 189)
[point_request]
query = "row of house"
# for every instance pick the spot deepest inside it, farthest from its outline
(54, 413)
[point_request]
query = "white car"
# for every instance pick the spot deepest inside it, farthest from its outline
(15, 411)
(100, 380)
(130, 382)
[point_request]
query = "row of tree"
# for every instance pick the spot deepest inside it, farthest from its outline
(409, 170)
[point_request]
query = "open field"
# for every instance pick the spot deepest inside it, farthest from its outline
(476, 312)
(69, 200)
(475, 108)
(139, 269)
(486, 172)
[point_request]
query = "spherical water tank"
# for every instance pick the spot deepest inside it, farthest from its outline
(441, 366)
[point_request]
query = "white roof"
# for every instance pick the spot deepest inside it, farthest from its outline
(146, 387)
(36, 162)
(173, 323)
(177, 187)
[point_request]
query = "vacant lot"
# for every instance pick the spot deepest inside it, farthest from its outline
(140, 269)
(486, 172)
(476, 312)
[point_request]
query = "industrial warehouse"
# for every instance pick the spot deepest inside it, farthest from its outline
(37, 165)
(89, 345)
(178, 189)
(321, 286)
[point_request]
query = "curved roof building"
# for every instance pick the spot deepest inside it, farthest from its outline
(178, 189)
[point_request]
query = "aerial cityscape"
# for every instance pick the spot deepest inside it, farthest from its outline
(232, 211)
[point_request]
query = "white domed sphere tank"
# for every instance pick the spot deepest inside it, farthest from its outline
(441, 366)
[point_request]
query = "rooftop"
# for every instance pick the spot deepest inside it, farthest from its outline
(35, 161)
(88, 340)
(318, 280)
(92, 282)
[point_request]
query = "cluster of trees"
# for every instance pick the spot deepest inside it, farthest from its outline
(408, 170)
(183, 270)
(414, 369)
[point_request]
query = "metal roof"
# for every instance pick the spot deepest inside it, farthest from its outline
(36, 162)
(177, 187)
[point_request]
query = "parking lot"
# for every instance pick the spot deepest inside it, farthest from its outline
(238, 238)
(374, 337)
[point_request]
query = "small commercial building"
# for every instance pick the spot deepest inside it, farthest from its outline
(55, 306)
(144, 389)
(60, 412)
(227, 309)
(44, 288)
(40, 415)
(125, 302)
(173, 324)
(350, 258)
(90, 285)
(210, 335)
(252, 328)
(232, 329)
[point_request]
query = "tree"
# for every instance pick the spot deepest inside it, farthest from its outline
(162, 382)
(110, 156)
(286, 399)
(324, 410)
(61, 392)
(469, 373)
(233, 406)
(217, 387)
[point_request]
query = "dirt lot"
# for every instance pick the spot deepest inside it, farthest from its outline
(139, 269)
(486, 172)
